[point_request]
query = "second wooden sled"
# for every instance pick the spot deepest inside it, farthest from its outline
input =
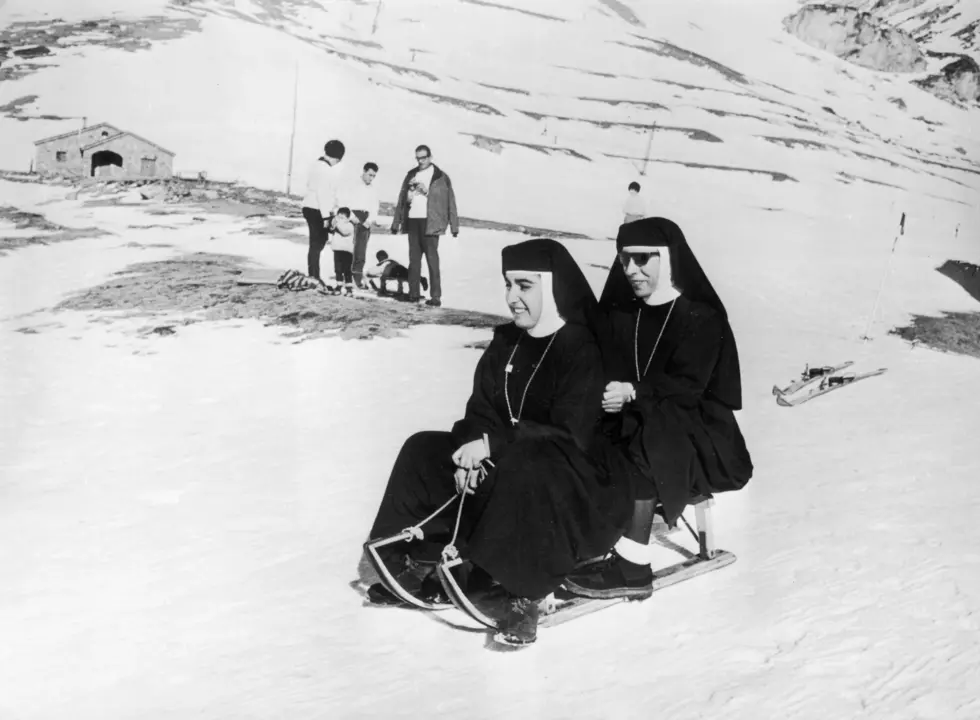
(562, 606)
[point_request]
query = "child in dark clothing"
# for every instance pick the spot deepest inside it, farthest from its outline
(388, 269)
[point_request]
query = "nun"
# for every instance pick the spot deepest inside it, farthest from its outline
(673, 384)
(542, 503)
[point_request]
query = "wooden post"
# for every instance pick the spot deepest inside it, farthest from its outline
(646, 158)
(292, 134)
(706, 534)
(881, 287)
(374, 27)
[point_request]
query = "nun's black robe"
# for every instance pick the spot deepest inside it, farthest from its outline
(676, 439)
(547, 504)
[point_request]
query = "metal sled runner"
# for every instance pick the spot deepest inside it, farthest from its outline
(562, 606)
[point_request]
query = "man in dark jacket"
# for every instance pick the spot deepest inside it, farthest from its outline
(426, 207)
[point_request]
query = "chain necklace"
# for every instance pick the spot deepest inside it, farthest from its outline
(636, 341)
(510, 367)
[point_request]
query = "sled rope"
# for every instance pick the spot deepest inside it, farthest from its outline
(450, 552)
(416, 530)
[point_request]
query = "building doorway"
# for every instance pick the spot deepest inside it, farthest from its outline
(148, 167)
(103, 161)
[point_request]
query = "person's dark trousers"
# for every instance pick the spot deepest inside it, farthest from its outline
(362, 234)
(318, 240)
(342, 261)
(418, 244)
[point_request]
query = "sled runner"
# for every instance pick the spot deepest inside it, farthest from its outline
(562, 606)
(809, 376)
(827, 384)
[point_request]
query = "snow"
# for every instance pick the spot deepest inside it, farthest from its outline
(182, 516)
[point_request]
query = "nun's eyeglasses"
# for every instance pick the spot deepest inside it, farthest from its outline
(639, 259)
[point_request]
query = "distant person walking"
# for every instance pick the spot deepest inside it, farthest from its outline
(426, 207)
(321, 201)
(634, 208)
(363, 203)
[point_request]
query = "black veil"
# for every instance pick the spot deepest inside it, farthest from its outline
(573, 295)
(690, 280)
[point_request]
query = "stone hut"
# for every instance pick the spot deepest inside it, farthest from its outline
(102, 150)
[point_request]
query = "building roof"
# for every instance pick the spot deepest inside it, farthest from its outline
(103, 141)
(75, 132)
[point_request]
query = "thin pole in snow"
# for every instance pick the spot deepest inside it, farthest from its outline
(374, 27)
(292, 134)
(881, 287)
(646, 158)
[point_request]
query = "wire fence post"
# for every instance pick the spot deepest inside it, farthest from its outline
(874, 308)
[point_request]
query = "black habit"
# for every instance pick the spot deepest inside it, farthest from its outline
(547, 504)
(679, 437)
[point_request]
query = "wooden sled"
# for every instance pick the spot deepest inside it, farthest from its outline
(562, 606)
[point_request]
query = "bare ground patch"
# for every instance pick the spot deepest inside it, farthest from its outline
(955, 332)
(666, 49)
(774, 175)
(46, 38)
(529, 13)
(470, 105)
(648, 105)
(203, 287)
(43, 231)
(692, 133)
(490, 143)
(847, 179)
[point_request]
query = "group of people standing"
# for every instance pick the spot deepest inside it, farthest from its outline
(341, 214)
(585, 416)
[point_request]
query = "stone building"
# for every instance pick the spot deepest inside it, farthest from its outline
(102, 150)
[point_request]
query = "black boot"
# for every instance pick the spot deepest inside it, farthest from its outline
(416, 578)
(519, 624)
(617, 579)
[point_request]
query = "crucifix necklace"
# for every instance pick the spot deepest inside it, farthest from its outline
(636, 341)
(509, 368)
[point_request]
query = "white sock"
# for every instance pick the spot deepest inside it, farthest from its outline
(633, 551)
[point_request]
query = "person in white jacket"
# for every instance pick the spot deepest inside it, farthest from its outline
(342, 244)
(321, 201)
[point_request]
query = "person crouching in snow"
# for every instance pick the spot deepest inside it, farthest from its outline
(342, 243)
(388, 269)
(543, 505)
(674, 384)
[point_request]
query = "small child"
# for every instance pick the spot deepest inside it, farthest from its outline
(341, 233)
(388, 269)
(634, 208)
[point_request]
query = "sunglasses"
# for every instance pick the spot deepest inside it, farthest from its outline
(639, 259)
(420, 158)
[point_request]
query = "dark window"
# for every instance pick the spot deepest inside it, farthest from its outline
(61, 156)
(105, 133)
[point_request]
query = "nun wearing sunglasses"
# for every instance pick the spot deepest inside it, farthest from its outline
(673, 384)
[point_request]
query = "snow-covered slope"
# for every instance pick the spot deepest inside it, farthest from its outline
(541, 113)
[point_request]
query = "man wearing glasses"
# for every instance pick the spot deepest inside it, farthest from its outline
(426, 208)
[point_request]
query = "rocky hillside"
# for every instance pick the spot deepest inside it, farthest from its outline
(901, 36)
(858, 37)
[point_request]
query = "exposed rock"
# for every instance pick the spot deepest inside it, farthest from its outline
(959, 81)
(857, 37)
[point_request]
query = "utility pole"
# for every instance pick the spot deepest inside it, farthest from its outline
(646, 158)
(292, 134)
(374, 27)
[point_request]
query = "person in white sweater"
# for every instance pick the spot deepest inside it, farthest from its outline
(342, 244)
(362, 199)
(321, 201)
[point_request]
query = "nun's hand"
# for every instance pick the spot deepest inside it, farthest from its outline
(616, 396)
(467, 481)
(471, 455)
